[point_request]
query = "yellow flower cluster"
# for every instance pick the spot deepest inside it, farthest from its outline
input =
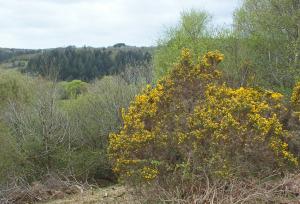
(190, 117)
(212, 58)
(295, 98)
(149, 173)
(276, 96)
(240, 118)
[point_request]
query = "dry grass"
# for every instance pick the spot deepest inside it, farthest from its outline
(270, 190)
(273, 190)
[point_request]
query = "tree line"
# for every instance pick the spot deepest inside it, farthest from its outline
(86, 63)
(9, 53)
(261, 47)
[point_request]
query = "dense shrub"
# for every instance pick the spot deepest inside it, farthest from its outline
(14, 87)
(58, 128)
(93, 116)
(9, 156)
(191, 122)
(41, 130)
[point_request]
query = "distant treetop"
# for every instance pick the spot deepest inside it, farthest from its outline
(119, 45)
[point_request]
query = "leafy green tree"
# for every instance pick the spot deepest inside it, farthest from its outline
(192, 32)
(269, 31)
(74, 88)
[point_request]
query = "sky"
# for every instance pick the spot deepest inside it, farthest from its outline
(98, 23)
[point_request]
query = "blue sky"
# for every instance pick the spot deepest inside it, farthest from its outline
(98, 23)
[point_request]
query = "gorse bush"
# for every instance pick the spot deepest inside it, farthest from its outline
(191, 122)
(295, 98)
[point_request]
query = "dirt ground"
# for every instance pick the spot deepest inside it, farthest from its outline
(107, 195)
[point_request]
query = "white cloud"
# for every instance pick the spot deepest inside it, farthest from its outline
(54, 23)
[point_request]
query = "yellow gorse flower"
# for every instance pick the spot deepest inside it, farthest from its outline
(191, 114)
